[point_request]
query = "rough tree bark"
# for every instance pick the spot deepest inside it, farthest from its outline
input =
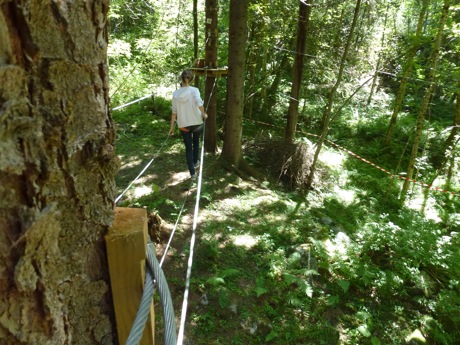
(57, 170)
(299, 62)
(231, 151)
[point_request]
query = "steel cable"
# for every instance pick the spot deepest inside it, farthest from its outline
(143, 170)
(154, 278)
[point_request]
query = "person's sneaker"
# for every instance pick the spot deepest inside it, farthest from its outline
(193, 177)
(197, 164)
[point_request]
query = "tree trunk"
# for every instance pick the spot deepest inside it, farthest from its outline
(453, 137)
(195, 38)
(379, 58)
(406, 73)
(210, 94)
(231, 151)
(293, 111)
(271, 96)
(57, 172)
(331, 97)
(433, 61)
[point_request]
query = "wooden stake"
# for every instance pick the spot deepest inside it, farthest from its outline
(126, 251)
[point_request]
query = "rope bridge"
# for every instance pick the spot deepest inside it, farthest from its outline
(155, 277)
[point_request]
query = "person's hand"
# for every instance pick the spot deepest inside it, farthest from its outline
(171, 131)
(204, 115)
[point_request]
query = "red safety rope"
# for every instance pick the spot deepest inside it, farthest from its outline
(423, 184)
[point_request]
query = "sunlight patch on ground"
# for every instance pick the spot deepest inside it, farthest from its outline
(142, 190)
(129, 164)
(338, 245)
(264, 200)
(345, 195)
(245, 241)
(332, 159)
(178, 178)
(430, 211)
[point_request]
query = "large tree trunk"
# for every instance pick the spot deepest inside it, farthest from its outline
(302, 28)
(406, 72)
(56, 173)
(210, 94)
(231, 151)
(331, 98)
(433, 62)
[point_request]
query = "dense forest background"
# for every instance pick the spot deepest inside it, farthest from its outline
(355, 254)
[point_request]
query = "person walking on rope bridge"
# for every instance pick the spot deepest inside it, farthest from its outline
(188, 110)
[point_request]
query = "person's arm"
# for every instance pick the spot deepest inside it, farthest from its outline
(199, 102)
(173, 121)
(203, 113)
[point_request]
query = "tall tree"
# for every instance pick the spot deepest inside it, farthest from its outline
(271, 97)
(432, 67)
(195, 38)
(331, 97)
(210, 94)
(231, 151)
(379, 56)
(406, 72)
(453, 136)
(57, 172)
(297, 72)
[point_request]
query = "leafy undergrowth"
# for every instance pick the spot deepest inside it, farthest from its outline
(346, 265)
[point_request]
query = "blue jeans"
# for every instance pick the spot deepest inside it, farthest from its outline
(192, 147)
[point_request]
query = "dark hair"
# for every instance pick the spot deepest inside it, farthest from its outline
(187, 75)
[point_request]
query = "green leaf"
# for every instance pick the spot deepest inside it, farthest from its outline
(289, 278)
(375, 341)
(272, 335)
(417, 336)
(215, 281)
(224, 301)
(260, 291)
(230, 272)
(308, 290)
(364, 330)
(345, 285)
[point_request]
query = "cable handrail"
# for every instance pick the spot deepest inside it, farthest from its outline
(180, 336)
(144, 308)
(143, 170)
(132, 102)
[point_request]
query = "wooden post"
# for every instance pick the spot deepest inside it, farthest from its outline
(126, 251)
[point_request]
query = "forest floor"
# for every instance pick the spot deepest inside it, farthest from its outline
(262, 263)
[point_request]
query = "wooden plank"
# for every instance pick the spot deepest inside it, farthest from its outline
(126, 245)
(211, 72)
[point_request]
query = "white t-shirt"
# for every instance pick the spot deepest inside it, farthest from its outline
(185, 103)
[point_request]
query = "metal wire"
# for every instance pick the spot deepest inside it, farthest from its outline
(132, 102)
(165, 296)
(154, 276)
(180, 337)
(143, 170)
